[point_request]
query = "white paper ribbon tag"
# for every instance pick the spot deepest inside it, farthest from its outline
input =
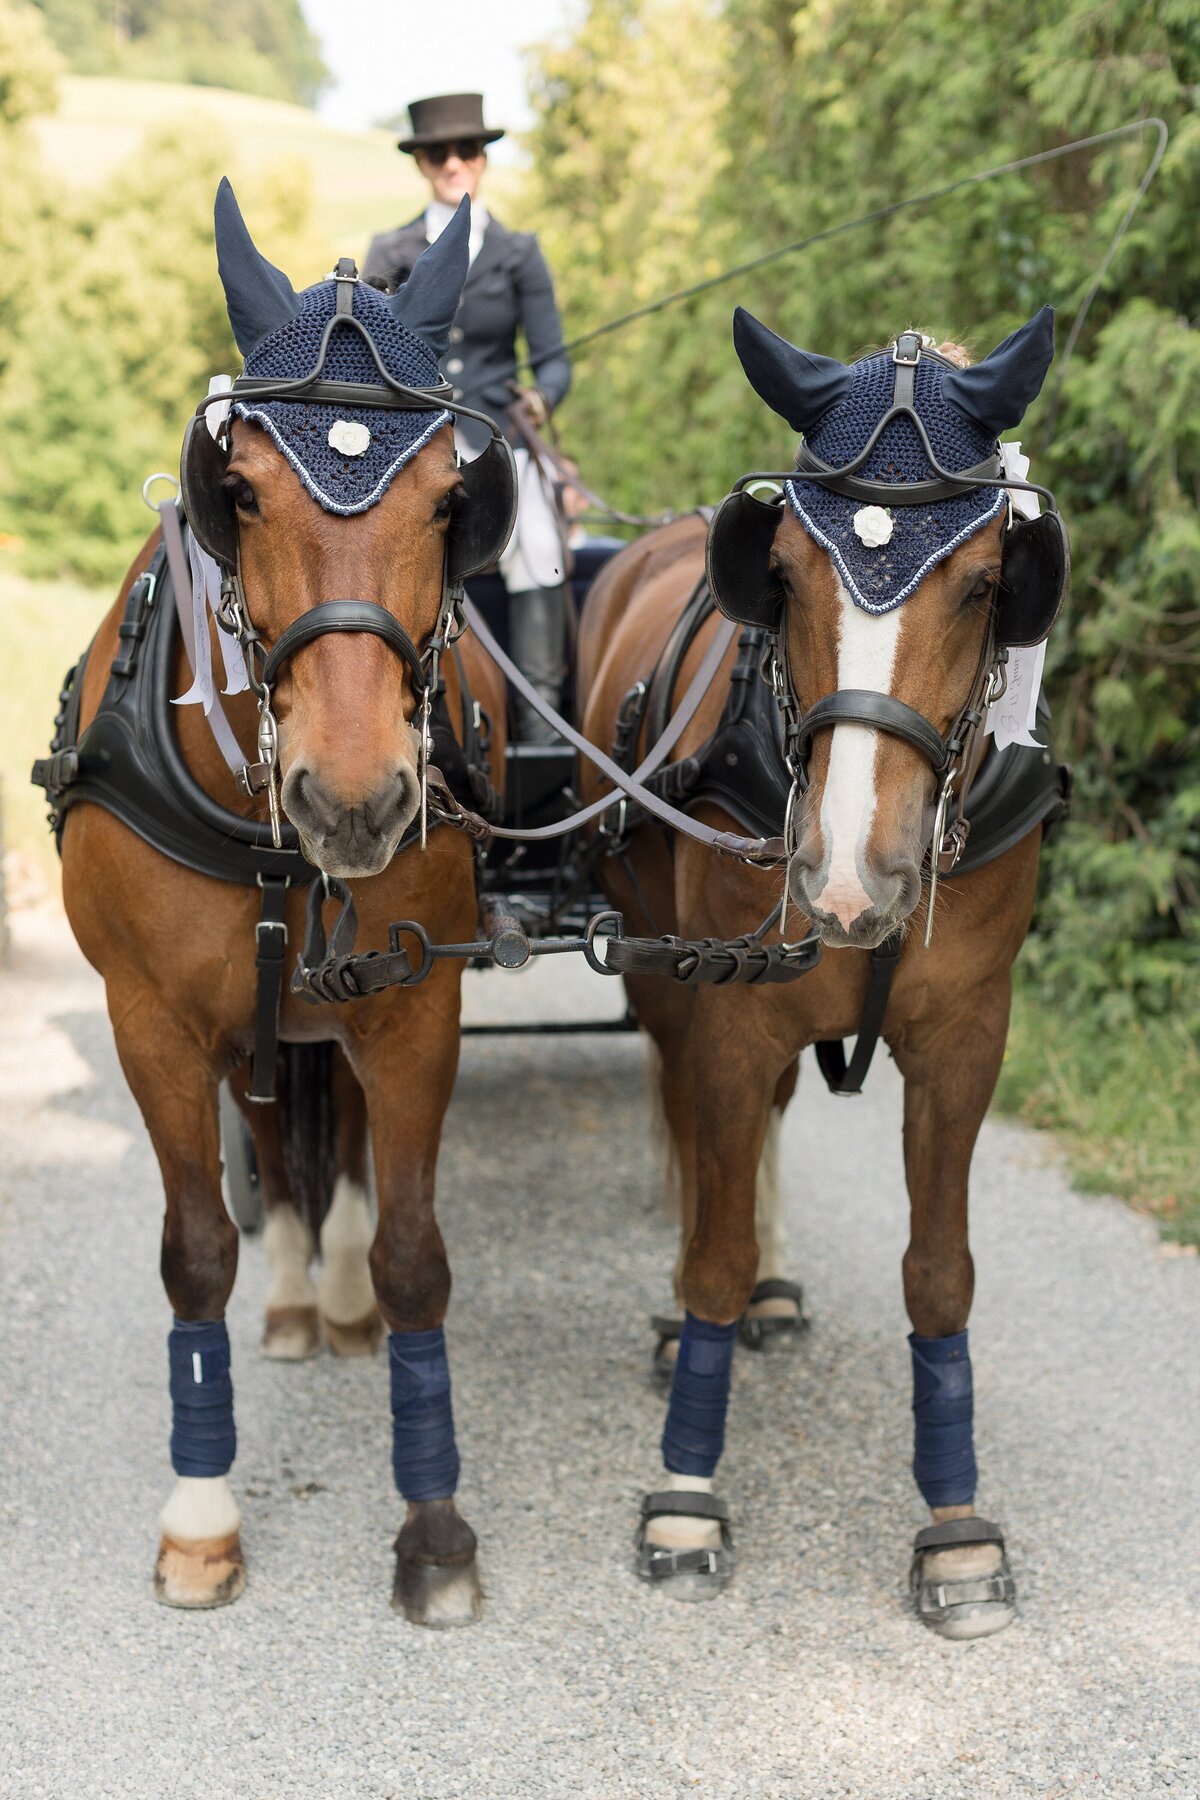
(1024, 504)
(215, 416)
(1014, 715)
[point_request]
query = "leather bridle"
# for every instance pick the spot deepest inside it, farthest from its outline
(954, 755)
(353, 615)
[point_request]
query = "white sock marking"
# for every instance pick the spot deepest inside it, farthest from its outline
(345, 1291)
(200, 1506)
(867, 645)
(288, 1244)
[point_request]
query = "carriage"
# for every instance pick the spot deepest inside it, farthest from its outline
(699, 748)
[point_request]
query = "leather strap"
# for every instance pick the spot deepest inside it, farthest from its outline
(952, 1532)
(847, 1078)
(684, 1505)
(271, 939)
(343, 615)
(882, 712)
(768, 852)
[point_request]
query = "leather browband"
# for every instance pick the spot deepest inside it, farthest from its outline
(897, 493)
(340, 393)
(344, 615)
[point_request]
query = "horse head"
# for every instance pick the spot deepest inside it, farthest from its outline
(347, 491)
(893, 580)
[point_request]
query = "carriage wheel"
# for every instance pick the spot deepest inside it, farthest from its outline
(240, 1183)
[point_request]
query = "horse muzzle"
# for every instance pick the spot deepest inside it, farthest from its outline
(355, 838)
(854, 914)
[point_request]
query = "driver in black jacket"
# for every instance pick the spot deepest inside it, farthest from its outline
(508, 289)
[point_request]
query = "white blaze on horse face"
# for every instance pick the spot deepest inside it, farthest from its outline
(867, 645)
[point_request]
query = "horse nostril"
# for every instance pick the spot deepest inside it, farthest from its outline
(307, 794)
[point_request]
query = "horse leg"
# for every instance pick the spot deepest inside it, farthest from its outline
(736, 1066)
(174, 1082)
(960, 1576)
(349, 1316)
(437, 1580)
(775, 1315)
(290, 1324)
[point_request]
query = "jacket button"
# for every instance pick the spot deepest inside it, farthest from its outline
(454, 366)
(456, 334)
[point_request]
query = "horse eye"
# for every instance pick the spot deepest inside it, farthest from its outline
(448, 504)
(980, 591)
(241, 493)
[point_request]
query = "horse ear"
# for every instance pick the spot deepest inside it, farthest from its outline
(797, 384)
(996, 392)
(428, 300)
(259, 297)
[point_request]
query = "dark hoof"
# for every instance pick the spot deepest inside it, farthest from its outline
(685, 1574)
(960, 1580)
(437, 1579)
(439, 1595)
(775, 1330)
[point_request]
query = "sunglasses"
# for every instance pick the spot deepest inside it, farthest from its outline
(466, 150)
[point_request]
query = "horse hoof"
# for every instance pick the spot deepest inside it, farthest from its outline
(961, 1582)
(685, 1572)
(666, 1350)
(774, 1318)
(439, 1595)
(207, 1572)
(361, 1337)
(291, 1333)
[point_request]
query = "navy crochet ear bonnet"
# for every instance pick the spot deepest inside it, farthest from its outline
(879, 577)
(346, 456)
(837, 407)
(308, 435)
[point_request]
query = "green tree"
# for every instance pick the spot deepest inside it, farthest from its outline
(819, 112)
(261, 46)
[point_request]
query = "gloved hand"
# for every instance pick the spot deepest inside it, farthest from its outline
(532, 402)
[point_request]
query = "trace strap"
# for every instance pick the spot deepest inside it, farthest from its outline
(270, 936)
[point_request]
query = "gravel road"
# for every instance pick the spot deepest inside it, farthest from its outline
(809, 1678)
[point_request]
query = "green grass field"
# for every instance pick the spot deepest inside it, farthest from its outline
(361, 183)
(44, 627)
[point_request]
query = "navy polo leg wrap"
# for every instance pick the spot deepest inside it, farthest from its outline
(694, 1434)
(424, 1453)
(203, 1439)
(943, 1408)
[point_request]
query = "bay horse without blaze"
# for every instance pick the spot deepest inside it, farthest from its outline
(350, 487)
(891, 583)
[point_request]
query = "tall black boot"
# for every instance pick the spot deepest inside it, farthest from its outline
(537, 642)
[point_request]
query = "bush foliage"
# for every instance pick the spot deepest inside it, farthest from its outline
(796, 117)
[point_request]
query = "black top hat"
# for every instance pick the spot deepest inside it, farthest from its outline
(446, 117)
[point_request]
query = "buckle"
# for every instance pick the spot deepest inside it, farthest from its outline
(907, 349)
(269, 925)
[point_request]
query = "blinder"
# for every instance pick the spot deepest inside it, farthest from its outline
(1035, 566)
(737, 558)
(209, 509)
